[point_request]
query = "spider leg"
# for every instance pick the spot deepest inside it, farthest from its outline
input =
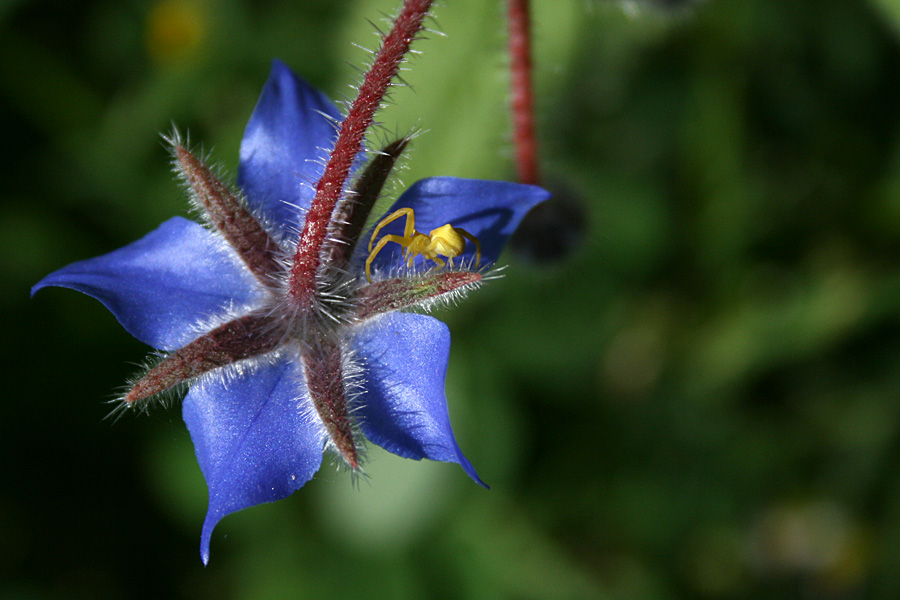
(381, 244)
(410, 228)
(400, 212)
(472, 239)
(439, 261)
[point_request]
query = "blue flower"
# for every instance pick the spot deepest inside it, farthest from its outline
(271, 387)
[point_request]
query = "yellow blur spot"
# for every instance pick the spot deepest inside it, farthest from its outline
(175, 30)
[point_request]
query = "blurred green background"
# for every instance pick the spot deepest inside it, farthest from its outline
(700, 401)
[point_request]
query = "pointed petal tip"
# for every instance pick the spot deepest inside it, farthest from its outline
(179, 270)
(34, 289)
(404, 409)
(253, 438)
(50, 280)
(279, 65)
(469, 469)
(474, 476)
(209, 524)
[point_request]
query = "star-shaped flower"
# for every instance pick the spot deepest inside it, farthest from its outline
(273, 381)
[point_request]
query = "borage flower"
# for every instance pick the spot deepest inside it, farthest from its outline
(273, 381)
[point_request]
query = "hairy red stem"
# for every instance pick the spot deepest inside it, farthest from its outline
(522, 100)
(350, 214)
(394, 47)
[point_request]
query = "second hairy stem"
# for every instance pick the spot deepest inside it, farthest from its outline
(522, 96)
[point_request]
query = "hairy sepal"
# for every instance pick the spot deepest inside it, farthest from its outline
(236, 340)
(324, 368)
(226, 212)
(423, 291)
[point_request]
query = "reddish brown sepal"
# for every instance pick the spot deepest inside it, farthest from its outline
(236, 340)
(405, 292)
(323, 367)
(228, 215)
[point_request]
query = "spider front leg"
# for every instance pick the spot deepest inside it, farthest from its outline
(403, 242)
(400, 212)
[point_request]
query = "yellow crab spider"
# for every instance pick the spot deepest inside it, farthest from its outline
(446, 240)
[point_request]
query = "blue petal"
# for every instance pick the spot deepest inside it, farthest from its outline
(489, 210)
(285, 144)
(256, 436)
(160, 286)
(403, 408)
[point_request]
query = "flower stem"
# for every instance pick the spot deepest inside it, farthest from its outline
(349, 217)
(348, 145)
(522, 100)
